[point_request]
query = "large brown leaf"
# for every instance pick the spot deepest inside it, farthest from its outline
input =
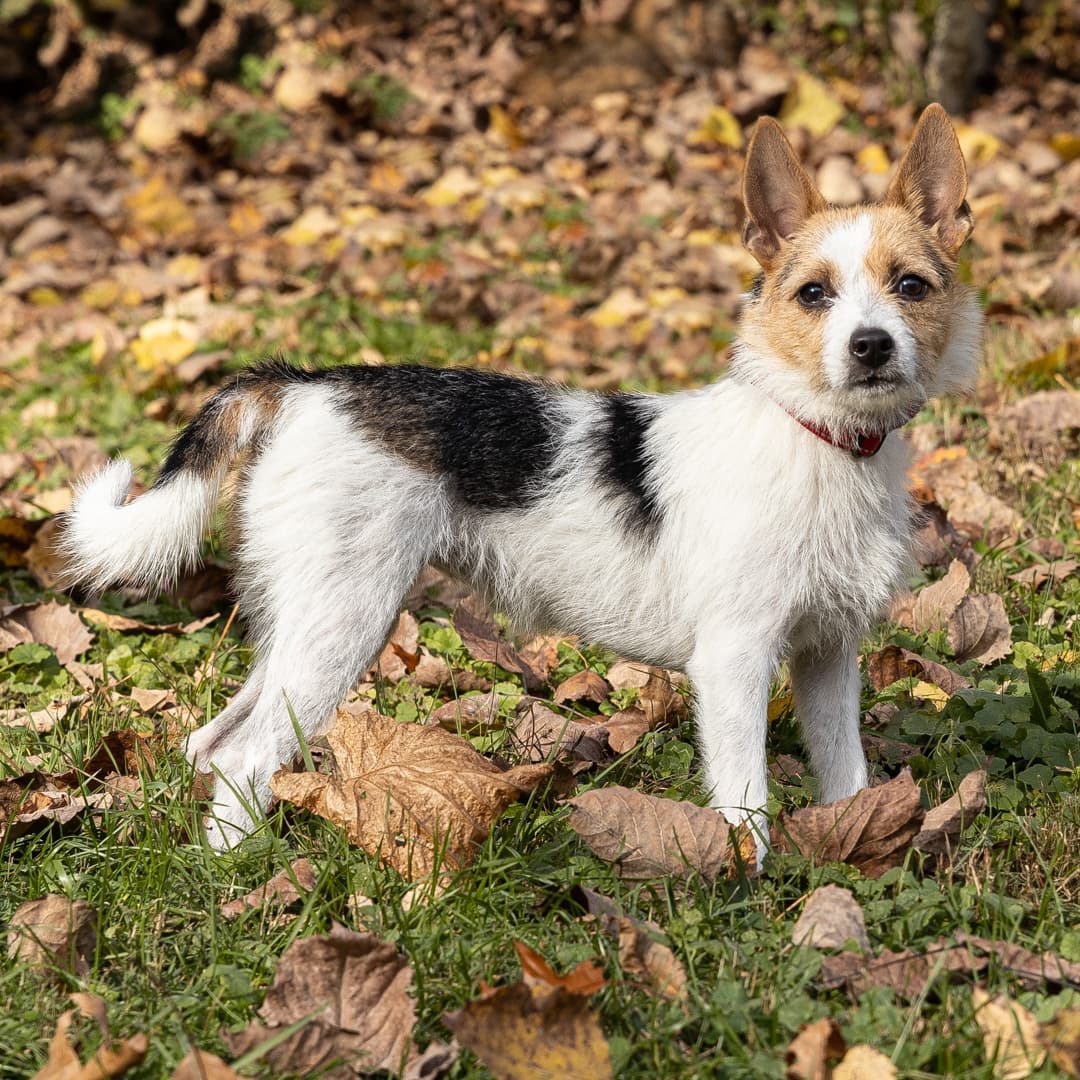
(481, 637)
(358, 988)
(47, 623)
(830, 919)
(872, 829)
(412, 796)
(979, 629)
(112, 1058)
(648, 837)
(942, 825)
(53, 932)
(935, 603)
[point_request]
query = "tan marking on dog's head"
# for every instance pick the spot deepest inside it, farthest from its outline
(858, 255)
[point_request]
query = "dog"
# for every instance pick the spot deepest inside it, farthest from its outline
(718, 531)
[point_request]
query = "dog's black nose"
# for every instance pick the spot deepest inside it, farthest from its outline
(871, 347)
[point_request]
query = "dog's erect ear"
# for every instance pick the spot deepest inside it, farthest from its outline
(776, 191)
(932, 179)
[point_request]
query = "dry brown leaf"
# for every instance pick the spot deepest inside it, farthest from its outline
(53, 932)
(658, 690)
(112, 1059)
(942, 825)
(906, 973)
(893, 663)
(480, 636)
(1041, 423)
(582, 686)
(541, 734)
(47, 623)
(202, 1065)
(538, 1028)
(411, 796)
(950, 477)
(979, 629)
(935, 603)
(471, 715)
(1061, 1037)
(1010, 1035)
(1038, 575)
(625, 728)
(1033, 970)
(863, 1062)
(830, 919)
(281, 891)
(872, 829)
(401, 653)
(642, 953)
(124, 624)
(358, 987)
(648, 837)
(806, 1057)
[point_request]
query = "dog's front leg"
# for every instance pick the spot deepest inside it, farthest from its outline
(826, 683)
(731, 675)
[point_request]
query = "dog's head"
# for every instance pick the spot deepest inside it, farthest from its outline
(858, 317)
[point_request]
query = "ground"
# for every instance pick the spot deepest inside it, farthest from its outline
(392, 190)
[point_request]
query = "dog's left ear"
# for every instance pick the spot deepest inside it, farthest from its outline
(932, 179)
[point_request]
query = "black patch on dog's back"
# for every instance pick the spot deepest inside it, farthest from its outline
(621, 443)
(494, 436)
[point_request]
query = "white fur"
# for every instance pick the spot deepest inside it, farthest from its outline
(146, 542)
(771, 544)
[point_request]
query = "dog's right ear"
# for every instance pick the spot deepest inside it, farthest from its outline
(777, 193)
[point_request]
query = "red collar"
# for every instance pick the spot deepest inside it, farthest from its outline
(861, 444)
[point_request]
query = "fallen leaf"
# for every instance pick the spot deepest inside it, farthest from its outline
(719, 127)
(47, 623)
(409, 795)
(831, 917)
(281, 891)
(979, 629)
(202, 1065)
(891, 664)
(806, 1057)
(480, 636)
(124, 624)
(582, 686)
(1038, 575)
(625, 728)
(1010, 1035)
(812, 105)
(658, 691)
(356, 989)
(1044, 423)
(540, 976)
(53, 932)
(541, 734)
(943, 824)
(863, 1062)
(112, 1059)
(642, 953)
(1061, 1037)
(872, 829)
(1033, 970)
(537, 1028)
(905, 973)
(162, 343)
(935, 603)
(648, 837)
(470, 715)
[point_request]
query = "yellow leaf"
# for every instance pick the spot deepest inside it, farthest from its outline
(502, 124)
(873, 159)
(978, 146)
(662, 298)
(155, 206)
(1067, 144)
(246, 219)
(812, 105)
(44, 296)
(780, 706)
(1010, 1035)
(453, 186)
(101, 294)
(164, 343)
(929, 692)
(863, 1062)
(186, 270)
(719, 127)
(621, 306)
(310, 227)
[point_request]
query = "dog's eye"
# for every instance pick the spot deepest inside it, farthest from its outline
(812, 294)
(912, 287)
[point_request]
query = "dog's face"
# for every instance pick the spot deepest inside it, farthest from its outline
(858, 313)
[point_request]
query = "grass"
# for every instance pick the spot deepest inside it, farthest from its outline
(168, 964)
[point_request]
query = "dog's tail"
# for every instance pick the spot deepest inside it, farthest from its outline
(148, 541)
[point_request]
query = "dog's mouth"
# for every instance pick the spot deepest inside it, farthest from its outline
(876, 382)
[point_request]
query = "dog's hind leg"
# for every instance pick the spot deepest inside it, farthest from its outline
(334, 532)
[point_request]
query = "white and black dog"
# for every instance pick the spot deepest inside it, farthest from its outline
(718, 531)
